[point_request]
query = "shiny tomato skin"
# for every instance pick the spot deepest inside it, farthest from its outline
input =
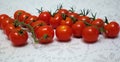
(18, 37)
(31, 19)
(77, 28)
(67, 21)
(90, 34)
(38, 23)
(45, 34)
(98, 22)
(45, 16)
(112, 29)
(63, 11)
(73, 14)
(24, 16)
(9, 28)
(84, 19)
(63, 33)
(6, 21)
(3, 16)
(18, 13)
(55, 21)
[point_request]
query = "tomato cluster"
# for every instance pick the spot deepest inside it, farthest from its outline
(63, 23)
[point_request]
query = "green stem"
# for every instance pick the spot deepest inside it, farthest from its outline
(39, 10)
(64, 16)
(106, 20)
(93, 16)
(30, 27)
(85, 12)
(31, 30)
(73, 19)
(102, 30)
(72, 9)
(87, 24)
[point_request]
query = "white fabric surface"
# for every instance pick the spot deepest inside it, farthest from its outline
(105, 50)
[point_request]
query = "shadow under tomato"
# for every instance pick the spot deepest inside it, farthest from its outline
(77, 37)
(20, 45)
(89, 42)
(64, 41)
(46, 43)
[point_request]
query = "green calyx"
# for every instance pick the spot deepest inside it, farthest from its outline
(93, 16)
(21, 31)
(106, 20)
(18, 23)
(64, 16)
(72, 9)
(45, 36)
(84, 12)
(39, 10)
(73, 19)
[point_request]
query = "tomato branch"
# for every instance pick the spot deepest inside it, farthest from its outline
(31, 30)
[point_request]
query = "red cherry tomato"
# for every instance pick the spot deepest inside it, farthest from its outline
(112, 29)
(24, 16)
(90, 34)
(31, 19)
(45, 34)
(55, 21)
(3, 16)
(9, 28)
(6, 21)
(73, 14)
(63, 11)
(18, 37)
(77, 28)
(45, 16)
(18, 13)
(37, 24)
(98, 22)
(67, 21)
(63, 33)
(84, 18)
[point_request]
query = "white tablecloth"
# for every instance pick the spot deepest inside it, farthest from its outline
(105, 50)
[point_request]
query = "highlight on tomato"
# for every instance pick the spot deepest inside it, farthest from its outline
(90, 34)
(18, 37)
(45, 34)
(63, 33)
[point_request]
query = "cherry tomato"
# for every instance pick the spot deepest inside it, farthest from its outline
(6, 21)
(3, 16)
(38, 23)
(18, 37)
(24, 16)
(77, 28)
(90, 34)
(9, 28)
(45, 16)
(63, 33)
(84, 18)
(31, 19)
(67, 21)
(18, 13)
(112, 29)
(63, 11)
(73, 14)
(55, 21)
(45, 34)
(98, 22)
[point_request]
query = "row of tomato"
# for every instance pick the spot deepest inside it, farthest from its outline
(65, 23)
